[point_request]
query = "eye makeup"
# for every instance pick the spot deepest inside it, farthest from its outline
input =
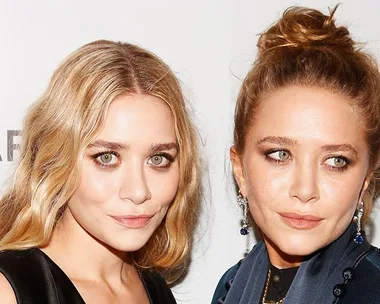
(277, 155)
(282, 156)
(167, 160)
(338, 167)
(97, 158)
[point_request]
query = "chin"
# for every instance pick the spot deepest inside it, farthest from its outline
(128, 246)
(129, 241)
(300, 251)
(299, 247)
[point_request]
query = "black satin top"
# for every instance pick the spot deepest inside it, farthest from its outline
(36, 279)
(279, 283)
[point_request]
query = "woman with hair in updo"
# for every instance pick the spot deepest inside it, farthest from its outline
(104, 200)
(306, 162)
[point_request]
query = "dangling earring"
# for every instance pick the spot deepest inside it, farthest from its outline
(243, 202)
(358, 239)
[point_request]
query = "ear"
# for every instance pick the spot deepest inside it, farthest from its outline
(238, 170)
(366, 184)
(364, 187)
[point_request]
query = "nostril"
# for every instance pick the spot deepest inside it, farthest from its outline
(304, 189)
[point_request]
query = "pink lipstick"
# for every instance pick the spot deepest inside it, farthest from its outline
(301, 222)
(133, 221)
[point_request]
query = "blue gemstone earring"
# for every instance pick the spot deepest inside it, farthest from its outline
(358, 239)
(243, 202)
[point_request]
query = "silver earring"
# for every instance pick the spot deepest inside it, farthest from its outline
(243, 202)
(358, 239)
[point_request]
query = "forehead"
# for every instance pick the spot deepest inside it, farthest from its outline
(137, 118)
(308, 114)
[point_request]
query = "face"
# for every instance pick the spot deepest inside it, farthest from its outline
(130, 174)
(303, 168)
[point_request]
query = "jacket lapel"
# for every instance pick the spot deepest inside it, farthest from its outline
(314, 281)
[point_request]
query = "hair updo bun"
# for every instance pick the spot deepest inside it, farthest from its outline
(306, 48)
(306, 28)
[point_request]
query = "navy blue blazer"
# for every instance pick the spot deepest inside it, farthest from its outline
(344, 272)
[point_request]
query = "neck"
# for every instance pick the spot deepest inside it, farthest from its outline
(280, 259)
(74, 249)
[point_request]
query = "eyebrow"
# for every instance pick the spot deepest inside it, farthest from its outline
(342, 147)
(117, 146)
(279, 140)
(163, 147)
(108, 145)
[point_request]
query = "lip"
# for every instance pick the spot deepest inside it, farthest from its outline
(133, 221)
(300, 221)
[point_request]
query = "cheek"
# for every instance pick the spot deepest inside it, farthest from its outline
(164, 186)
(265, 187)
(96, 187)
(339, 202)
(263, 194)
(341, 193)
(98, 184)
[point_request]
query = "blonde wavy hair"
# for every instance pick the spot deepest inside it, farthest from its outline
(306, 48)
(63, 122)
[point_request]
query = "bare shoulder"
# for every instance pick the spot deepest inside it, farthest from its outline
(7, 294)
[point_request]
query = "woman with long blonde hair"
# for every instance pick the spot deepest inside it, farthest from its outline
(104, 200)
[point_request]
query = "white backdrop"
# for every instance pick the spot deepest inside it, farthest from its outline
(209, 44)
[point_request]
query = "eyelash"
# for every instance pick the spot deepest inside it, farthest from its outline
(271, 159)
(169, 157)
(340, 169)
(100, 164)
(95, 157)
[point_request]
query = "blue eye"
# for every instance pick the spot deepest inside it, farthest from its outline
(280, 155)
(157, 160)
(160, 160)
(106, 159)
(337, 162)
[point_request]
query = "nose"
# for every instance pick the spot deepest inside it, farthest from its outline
(134, 186)
(304, 185)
